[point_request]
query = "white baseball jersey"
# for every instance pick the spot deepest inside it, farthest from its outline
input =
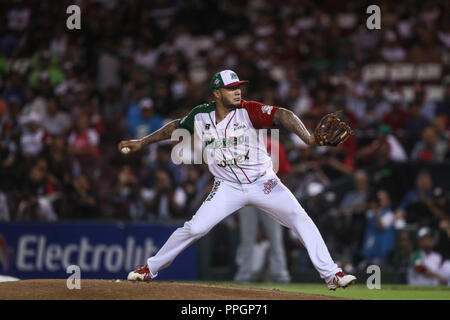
(234, 150)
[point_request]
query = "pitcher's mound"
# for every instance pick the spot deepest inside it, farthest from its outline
(56, 289)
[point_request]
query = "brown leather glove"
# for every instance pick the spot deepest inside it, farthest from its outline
(331, 130)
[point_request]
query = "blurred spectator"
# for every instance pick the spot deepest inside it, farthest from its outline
(438, 206)
(414, 206)
(112, 108)
(430, 148)
(402, 255)
(192, 187)
(426, 49)
(163, 201)
(356, 200)
(56, 122)
(396, 117)
(355, 91)
(179, 87)
(9, 154)
(428, 268)
(385, 144)
(83, 140)
(126, 195)
(440, 124)
(443, 241)
(414, 125)
(387, 174)
(379, 235)
(34, 137)
(4, 208)
(392, 51)
(377, 104)
(337, 163)
(108, 66)
(146, 56)
(37, 195)
(427, 107)
(82, 199)
(45, 67)
(163, 160)
(83, 146)
(443, 107)
(59, 43)
(307, 171)
(352, 220)
(162, 102)
(142, 119)
(58, 160)
(33, 104)
(19, 16)
(14, 88)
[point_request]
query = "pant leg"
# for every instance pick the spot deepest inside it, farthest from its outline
(224, 199)
(248, 226)
(444, 271)
(277, 255)
(271, 196)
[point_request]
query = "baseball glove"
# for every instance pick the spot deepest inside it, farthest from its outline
(331, 130)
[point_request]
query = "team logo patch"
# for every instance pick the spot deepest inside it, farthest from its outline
(269, 185)
(207, 126)
(267, 109)
(234, 76)
(217, 82)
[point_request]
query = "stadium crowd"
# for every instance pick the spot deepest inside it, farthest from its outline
(67, 97)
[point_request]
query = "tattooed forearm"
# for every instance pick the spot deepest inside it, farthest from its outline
(162, 134)
(288, 120)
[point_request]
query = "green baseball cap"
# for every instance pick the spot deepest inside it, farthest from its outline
(225, 79)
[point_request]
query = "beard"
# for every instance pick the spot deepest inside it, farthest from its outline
(233, 106)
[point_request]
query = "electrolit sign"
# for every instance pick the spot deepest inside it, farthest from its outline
(45, 250)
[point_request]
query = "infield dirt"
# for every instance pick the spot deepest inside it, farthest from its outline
(56, 289)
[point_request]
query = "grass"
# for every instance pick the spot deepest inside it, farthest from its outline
(357, 291)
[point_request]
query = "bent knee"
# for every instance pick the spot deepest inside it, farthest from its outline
(197, 231)
(298, 217)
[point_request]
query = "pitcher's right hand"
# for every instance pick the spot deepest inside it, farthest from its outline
(133, 145)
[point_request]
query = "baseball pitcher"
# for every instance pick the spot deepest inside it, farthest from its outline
(243, 172)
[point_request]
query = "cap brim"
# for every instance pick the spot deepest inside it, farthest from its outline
(234, 84)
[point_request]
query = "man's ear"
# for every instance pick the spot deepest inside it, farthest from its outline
(217, 94)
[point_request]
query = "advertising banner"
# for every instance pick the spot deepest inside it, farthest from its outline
(101, 250)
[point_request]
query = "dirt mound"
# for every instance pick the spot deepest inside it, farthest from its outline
(56, 289)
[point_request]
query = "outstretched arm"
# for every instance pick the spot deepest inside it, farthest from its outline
(288, 120)
(162, 134)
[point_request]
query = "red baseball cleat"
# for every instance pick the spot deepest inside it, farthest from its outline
(141, 273)
(341, 280)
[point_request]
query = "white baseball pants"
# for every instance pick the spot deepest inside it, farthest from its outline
(266, 193)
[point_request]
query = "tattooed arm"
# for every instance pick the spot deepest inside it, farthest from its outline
(287, 119)
(162, 134)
